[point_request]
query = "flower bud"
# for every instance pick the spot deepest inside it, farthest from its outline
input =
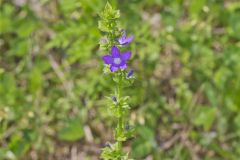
(114, 98)
(130, 73)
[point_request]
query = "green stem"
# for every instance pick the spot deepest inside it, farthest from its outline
(120, 119)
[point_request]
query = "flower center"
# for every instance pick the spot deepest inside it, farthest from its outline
(117, 60)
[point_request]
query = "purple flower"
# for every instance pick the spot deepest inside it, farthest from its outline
(117, 60)
(130, 73)
(125, 40)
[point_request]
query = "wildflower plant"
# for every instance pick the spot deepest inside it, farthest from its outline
(114, 43)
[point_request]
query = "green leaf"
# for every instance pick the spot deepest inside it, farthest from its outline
(72, 130)
(196, 6)
(221, 76)
(20, 47)
(25, 29)
(19, 145)
(5, 24)
(205, 117)
(108, 7)
(103, 26)
(109, 13)
(145, 142)
(141, 148)
(36, 80)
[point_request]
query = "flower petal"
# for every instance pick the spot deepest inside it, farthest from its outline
(124, 66)
(115, 52)
(124, 35)
(107, 59)
(121, 41)
(129, 39)
(113, 68)
(126, 55)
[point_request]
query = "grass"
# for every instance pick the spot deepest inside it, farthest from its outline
(185, 101)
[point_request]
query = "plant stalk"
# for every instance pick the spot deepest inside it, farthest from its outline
(120, 119)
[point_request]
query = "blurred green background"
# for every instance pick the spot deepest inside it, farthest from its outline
(185, 100)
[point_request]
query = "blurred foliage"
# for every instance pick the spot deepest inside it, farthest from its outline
(186, 100)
